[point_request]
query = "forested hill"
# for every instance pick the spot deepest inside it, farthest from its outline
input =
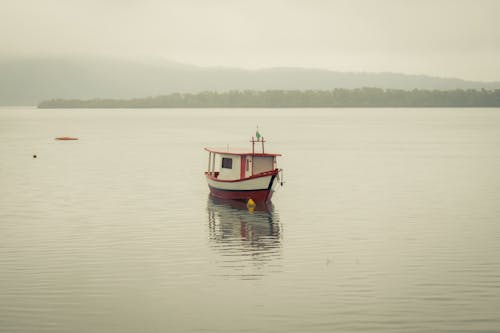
(365, 97)
(28, 81)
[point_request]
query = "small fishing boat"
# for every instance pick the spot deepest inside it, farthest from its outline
(66, 138)
(241, 174)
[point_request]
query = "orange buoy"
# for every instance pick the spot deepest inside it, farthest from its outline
(66, 138)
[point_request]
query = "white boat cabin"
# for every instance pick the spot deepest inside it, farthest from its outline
(237, 164)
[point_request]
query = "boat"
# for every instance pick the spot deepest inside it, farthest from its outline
(66, 138)
(243, 174)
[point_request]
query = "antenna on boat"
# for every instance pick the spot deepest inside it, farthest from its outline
(260, 139)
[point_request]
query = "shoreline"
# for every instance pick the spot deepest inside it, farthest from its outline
(336, 98)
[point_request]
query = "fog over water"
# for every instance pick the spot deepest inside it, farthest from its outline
(447, 38)
(388, 222)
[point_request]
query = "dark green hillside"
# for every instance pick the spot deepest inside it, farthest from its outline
(364, 97)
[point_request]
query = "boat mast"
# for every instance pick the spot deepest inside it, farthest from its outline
(253, 144)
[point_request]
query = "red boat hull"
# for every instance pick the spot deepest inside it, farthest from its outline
(259, 187)
(256, 195)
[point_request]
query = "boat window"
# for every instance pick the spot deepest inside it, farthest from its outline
(227, 163)
(248, 164)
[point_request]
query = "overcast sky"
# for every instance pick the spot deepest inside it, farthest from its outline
(451, 38)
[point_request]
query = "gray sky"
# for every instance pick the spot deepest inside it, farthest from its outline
(452, 38)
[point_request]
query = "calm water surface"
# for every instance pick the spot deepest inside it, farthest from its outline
(389, 221)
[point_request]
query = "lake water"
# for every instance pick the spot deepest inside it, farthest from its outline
(389, 221)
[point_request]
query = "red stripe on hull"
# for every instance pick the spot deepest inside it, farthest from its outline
(259, 175)
(257, 196)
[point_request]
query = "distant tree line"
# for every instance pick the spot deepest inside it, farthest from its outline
(363, 97)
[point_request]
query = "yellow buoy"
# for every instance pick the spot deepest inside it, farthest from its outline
(250, 203)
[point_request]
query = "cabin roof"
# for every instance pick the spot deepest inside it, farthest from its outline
(238, 151)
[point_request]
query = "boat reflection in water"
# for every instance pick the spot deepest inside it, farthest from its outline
(249, 241)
